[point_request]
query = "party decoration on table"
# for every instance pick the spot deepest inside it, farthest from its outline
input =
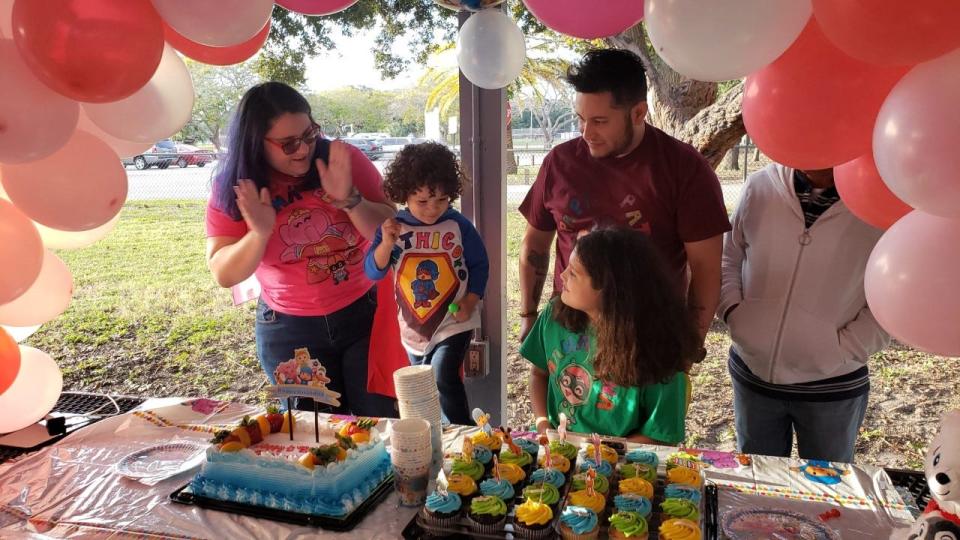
(683, 32)
(442, 484)
(748, 523)
(595, 441)
(483, 420)
(302, 376)
(468, 5)
(496, 468)
(591, 481)
(67, 46)
(821, 472)
(467, 451)
(583, 19)
(491, 49)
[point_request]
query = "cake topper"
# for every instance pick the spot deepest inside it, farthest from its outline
(467, 450)
(483, 421)
(562, 428)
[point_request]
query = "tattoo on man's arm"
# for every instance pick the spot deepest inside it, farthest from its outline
(539, 261)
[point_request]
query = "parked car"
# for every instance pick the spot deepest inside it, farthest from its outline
(392, 145)
(187, 155)
(370, 147)
(166, 153)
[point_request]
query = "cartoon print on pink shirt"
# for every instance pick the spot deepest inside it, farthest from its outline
(328, 247)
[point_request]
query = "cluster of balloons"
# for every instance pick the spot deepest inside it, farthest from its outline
(86, 82)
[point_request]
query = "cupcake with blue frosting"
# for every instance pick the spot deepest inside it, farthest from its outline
(579, 523)
(442, 509)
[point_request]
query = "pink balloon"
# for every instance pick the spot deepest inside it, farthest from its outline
(911, 282)
(34, 120)
(891, 32)
(6, 7)
(216, 23)
(89, 50)
(585, 19)
(33, 393)
(814, 107)
(45, 300)
(21, 252)
(80, 187)
(916, 137)
(315, 7)
(123, 148)
(865, 194)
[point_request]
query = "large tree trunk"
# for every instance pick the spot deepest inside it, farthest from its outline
(687, 109)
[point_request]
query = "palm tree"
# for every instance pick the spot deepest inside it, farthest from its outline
(539, 73)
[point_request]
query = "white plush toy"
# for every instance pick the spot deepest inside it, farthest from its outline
(941, 518)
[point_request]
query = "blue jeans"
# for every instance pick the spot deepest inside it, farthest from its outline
(446, 359)
(339, 341)
(825, 430)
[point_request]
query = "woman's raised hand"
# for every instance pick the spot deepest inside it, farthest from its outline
(256, 209)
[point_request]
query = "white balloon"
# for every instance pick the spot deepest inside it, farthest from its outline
(45, 300)
(156, 111)
(491, 49)
(124, 149)
(57, 239)
(20, 333)
(721, 41)
(33, 393)
(216, 23)
(916, 134)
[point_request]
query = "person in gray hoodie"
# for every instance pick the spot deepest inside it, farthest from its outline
(792, 296)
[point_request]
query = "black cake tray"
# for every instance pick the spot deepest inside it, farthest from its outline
(343, 523)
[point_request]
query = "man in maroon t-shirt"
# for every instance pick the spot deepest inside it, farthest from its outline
(622, 171)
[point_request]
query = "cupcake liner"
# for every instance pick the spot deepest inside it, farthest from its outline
(435, 520)
(495, 527)
(567, 534)
(532, 533)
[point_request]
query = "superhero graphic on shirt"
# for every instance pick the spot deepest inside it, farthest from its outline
(424, 287)
(426, 284)
(328, 247)
(575, 384)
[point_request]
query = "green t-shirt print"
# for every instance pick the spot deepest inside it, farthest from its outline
(593, 406)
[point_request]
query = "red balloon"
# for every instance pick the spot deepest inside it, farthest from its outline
(865, 194)
(315, 7)
(9, 360)
(891, 32)
(815, 106)
(217, 56)
(96, 51)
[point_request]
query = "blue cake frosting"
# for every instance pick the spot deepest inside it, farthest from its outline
(632, 502)
(482, 454)
(528, 446)
(550, 476)
(498, 488)
(642, 456)
(604, 467)
(678, 491)
(580, 519)
(444, 504)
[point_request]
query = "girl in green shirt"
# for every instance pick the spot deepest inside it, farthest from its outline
(610, 351)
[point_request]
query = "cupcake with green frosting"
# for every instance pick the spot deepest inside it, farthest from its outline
(630, 525)
(473, 468)
(520, 459)
(680, 508)
(641, 470)
(543, 492)
(565, 449)
(487, 514)
(442, 509)
(600, 483)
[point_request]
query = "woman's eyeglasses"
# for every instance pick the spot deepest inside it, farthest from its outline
(290, 146)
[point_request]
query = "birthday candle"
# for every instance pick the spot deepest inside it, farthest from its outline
(442, 483)
(496, 469)
(562, 428)
(591, 478)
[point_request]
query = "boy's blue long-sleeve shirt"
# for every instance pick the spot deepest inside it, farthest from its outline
(434, 266)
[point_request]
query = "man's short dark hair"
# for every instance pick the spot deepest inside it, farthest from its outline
(617, 71)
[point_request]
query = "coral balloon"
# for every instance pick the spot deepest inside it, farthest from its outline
(865, 194)
(916, 137)
(911, 282)
(586, 20)
(315, 7)
(217, 56)
(45, 300)
(814, 107)
(57, 239)
(34, 120)
(491, 49)
(89, 50)
(123, 148)
(156, 111)
(9, 359)
(80, 187)
(21, 252)
(891, 32)
(216, 23)
(33, 393)
(720, 41)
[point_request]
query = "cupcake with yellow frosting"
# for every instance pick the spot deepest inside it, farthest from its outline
(532, 520)
(606, 453)
(679, 529)
(462, 485)
(637, 486)
(486, 439)
(593, 500)
(557, 462)
(630, 525)
(684, 475)
(511, 473)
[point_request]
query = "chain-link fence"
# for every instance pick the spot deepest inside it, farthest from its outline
(524, 160)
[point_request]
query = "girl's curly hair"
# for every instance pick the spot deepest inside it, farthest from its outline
(429, 164)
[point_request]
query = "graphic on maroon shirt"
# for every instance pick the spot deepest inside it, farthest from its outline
(328, 247)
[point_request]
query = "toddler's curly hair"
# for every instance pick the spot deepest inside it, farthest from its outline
(429, 164)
